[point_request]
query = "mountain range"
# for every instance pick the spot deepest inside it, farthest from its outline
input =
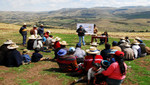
(106, 18)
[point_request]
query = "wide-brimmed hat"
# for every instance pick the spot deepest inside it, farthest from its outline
(127, 45)
(94, 43)
(63, 43)
(8, 42)
(34, 26)
(25, 51)
(12, 46)
(62, 52)
(122, 41)
(57, 38)
(122, 38)
(135, 42)
(48, 31)
(24, 24)
(92, 50)
(41, 25)
(137, 38)
(32, 37)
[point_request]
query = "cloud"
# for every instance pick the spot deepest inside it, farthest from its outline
(47, 5)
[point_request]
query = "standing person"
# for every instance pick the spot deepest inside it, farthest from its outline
(116, 72)
(81, 32)
(95, 32)
(34, 31)
(23, 32)
(41, 30)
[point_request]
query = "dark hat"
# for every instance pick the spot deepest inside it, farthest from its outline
(114, 43)
(80, 26)
(78, 45)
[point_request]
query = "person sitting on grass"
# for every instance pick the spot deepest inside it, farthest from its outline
(106, 51)
(47, 34)
(136, 49)
(116, 72)
(4, 50)
(63, 46)
(57, 43)
(128, 52)
(67, 61)
(127, 39)
(13, 58)
(79, 53)
(36, 56)
(91, 72)
(99, 79)
(48, 42)
(115, 46)
(26, 57)
(91, 58)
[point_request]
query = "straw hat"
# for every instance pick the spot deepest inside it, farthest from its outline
(53, 40)
(137, 38)
(92, 50)
(48, 31)
(32, 37)
(122, 38)
(12, 46)
(127, 45)
(34, 26)
(8, 42)
(24, 24)
(25, 51)
(57, 38)
(63, 43)
(135, 42)
(94, 43)
(41, 25)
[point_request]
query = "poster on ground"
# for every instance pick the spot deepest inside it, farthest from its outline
(88, 27)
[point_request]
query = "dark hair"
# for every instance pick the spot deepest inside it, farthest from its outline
(120, 60)
(36, 50)
(126, 37)
(97, 65)
(107, 46)
(114, 43)
(93, 58)
(78, 45)
(50, 35)
(94, 25)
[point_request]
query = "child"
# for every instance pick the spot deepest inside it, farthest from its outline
(36, 56)
(92, 71)
(26, 57)
(100, 78)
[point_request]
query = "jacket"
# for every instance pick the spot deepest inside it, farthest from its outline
(81, 31)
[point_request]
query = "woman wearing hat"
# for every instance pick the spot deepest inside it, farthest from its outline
(92, 58)
(116, 72)
(128, 52)
(57, 43)
(47, 34)
(30, 42)
(13, 58)
(34, 31)
(4, 50)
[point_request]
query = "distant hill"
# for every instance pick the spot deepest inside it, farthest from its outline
(106, 18)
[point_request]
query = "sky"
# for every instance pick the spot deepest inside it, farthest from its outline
(50, 5)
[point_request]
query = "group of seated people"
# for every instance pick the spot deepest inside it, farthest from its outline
(97, 66)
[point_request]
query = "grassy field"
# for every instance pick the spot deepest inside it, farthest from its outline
(47, 72)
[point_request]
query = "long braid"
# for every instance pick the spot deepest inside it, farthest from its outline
(121, 64)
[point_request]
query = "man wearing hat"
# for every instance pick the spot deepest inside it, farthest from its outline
(81, 32)
(23, 32)
(136, 49)
(41, 30)
(92, 58)
(13, 58)
(4, 50)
